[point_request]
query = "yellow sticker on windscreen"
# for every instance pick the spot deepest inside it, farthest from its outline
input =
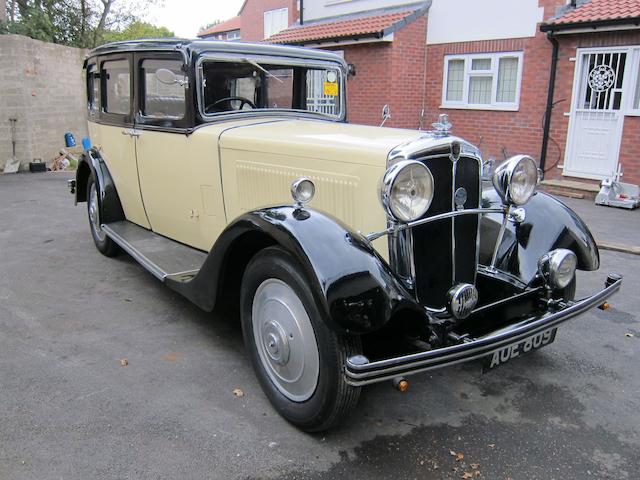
(331, 89)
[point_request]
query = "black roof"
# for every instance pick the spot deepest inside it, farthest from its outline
(203, 46)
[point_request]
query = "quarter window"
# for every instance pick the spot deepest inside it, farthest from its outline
(275, 21)
(162, 100)
(93, 89)
(116, 87)
(482, 81)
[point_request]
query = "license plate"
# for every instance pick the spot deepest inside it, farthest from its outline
(515, 350)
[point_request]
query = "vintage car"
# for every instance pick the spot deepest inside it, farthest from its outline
(352, 254)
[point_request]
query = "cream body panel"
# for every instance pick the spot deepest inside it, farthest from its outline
(119, 153)
(345, 162)
(180, 184)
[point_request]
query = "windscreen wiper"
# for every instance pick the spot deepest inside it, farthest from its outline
(257, 65)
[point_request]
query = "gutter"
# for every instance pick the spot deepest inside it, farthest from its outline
(595, 24)
(550, 94)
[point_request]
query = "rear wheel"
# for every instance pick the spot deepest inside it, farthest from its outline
(103, 243)
(298, 360)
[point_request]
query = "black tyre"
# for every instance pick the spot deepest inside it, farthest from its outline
(298, 360)
(103, 243)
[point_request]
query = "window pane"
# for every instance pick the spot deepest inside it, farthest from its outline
(275, 21)
(455, 80)
(480, 90)
(481, 64)
(280, 88)
(117, 86)
(162, 100)
(322, 91)
(507, 80)
(93, 91)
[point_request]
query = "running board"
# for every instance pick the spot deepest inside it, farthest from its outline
(162, 257)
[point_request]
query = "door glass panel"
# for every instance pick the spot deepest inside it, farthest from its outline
(117, 86)
(602, 77)
(160, 99)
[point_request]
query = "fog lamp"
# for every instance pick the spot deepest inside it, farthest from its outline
(558, 267)
(302, 191)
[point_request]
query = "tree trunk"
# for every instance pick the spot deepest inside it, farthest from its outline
(97, 34)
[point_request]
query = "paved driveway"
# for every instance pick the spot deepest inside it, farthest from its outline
(70, 410)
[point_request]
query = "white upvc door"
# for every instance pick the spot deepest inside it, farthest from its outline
(602, 81)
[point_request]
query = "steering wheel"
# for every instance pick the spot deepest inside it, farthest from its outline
(243, 101)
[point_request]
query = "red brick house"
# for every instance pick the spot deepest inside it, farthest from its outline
(596, 96)
(256, 20)
(229, 30)
(493, 70)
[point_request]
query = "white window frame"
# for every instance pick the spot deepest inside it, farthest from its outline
(628, 95)
(272, 13)
(493, 72)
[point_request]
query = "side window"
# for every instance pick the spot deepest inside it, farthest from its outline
(163, 96)
(116, 87)
(93, 89)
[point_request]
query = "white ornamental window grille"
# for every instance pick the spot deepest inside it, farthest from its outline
(603, 75)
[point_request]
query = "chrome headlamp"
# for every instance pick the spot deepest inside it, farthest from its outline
(558, 267)
(406, 190)
(516, 180)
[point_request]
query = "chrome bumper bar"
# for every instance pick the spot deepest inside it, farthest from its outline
(360, 372)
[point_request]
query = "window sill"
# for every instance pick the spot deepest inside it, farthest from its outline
(492, 108)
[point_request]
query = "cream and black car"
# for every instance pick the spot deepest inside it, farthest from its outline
(353, 254)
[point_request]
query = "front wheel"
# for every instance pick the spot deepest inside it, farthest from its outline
(298, 360)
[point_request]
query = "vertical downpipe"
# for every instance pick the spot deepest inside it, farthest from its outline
(550, 94)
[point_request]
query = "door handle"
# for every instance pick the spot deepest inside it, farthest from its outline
(132, 132)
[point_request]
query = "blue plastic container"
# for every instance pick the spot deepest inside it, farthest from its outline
(69, 140)
(86, 143)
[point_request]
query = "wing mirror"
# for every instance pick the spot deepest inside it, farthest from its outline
(166, 76)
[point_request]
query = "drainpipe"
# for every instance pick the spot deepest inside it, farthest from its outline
(301, 12)
(550, 93)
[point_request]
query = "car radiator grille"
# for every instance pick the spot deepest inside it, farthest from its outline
(445, 252)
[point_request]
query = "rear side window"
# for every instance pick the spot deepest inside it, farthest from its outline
(93, 91)
(116, 87)
(163, 97)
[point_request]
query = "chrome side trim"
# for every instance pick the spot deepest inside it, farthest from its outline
(359, 373)
(137, 256)
(403, 226)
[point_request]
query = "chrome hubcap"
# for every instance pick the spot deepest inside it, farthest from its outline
(285, 340)
(94, 213)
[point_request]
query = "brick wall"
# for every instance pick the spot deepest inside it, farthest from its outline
(388, 73)
(630, 147)
(43, 87)
(252, 17)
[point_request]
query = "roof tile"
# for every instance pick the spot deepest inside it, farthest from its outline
(597, 10)
(340, 29)
(231, 24)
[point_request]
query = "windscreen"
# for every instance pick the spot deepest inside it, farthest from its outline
(249, 85)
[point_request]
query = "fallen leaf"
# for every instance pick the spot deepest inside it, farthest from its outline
(172, 356)
(452, 453)
(124, 362)
(491, 445)
(467, 475)
(238, 393)
(477, 473)
(630, 335)
(459, 456)
(475, 466)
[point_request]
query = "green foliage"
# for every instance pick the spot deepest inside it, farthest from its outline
(81, 23)
(136, 30)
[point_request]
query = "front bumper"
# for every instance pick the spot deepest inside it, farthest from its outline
(359, 371)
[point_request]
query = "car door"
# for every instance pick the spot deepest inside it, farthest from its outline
(111, 129)
(179, 169)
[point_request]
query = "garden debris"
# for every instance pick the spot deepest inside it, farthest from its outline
(459, 456)
(124, 362)
(238, 393)
(12, 164)
(64, 161)
(629, 335)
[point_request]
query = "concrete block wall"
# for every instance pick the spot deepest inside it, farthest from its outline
(42, 85)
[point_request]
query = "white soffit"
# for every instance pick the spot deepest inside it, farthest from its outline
(452, 21)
